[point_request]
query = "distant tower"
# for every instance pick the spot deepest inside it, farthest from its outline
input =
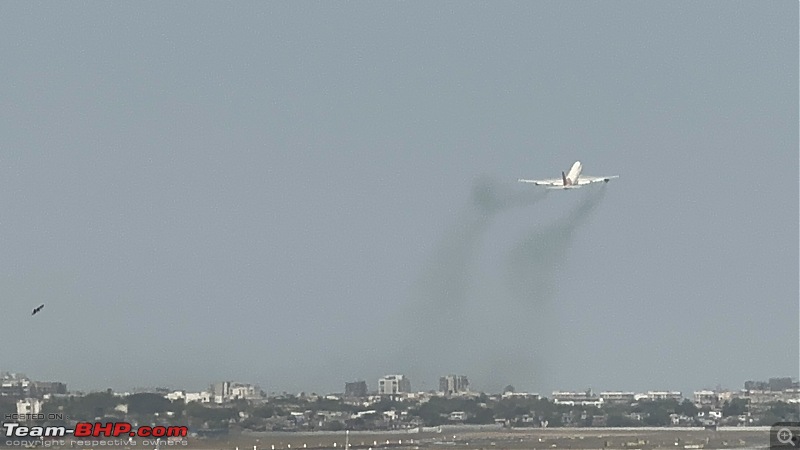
(356, 389)
(393, 384)
(453, 384)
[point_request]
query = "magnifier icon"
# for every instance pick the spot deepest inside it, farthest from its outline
(784, 436)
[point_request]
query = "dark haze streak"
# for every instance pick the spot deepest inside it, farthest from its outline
(533, 261)
(504, 338)
(446, 278)
(438, 327)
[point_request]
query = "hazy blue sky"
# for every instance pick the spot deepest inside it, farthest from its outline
(299, 194)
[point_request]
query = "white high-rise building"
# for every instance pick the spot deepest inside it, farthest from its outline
(394, 384)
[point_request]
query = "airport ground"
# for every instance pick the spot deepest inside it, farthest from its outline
(507, 439)
(465, 439)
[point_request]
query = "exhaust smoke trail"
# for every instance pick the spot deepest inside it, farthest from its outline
(446, 278)
(438, 322)
(496, 330)
(534, 260)
(532, 266)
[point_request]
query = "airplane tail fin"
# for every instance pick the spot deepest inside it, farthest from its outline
(564, 178)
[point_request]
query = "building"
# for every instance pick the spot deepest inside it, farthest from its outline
(526, 395)
(757, 397)
(200, 397)
(241, 391)
(394, 384)
(175, 396)
(453, 384)
(664, 395)
(774, 385)
(220, 391)
(619, 398)
(151, 390)
(29, 406)
(756, 385)
(726, 396)
(356, 389)
(15, 385)
(780, 384)
(40, 389)
(457, 416)
(705, 398)
(226, 391)
(577, 398)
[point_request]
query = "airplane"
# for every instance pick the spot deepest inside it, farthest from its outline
(570, 180)
(37, 309)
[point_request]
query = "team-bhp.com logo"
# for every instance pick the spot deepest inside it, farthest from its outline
(97, 429)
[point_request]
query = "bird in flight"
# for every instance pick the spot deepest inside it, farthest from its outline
(37, 309)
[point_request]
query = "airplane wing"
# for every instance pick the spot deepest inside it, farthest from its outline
(584, 179)
(548, 182)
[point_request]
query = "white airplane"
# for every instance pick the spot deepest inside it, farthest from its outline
(570, 180)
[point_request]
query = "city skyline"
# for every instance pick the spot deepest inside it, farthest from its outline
(777, 383)
(396, 405)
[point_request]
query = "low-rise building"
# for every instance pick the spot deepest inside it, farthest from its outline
(705, 398)
(765, 397)
(226, 391)
(15, 385)
(40, 389)
(200, 397)
(618, 397)
(243, 391)
(527, 395)
(664, 395)
(680, 419)
(774, 384)
(457, 416)
(577, 398)
(29, 406)
(175, 396)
